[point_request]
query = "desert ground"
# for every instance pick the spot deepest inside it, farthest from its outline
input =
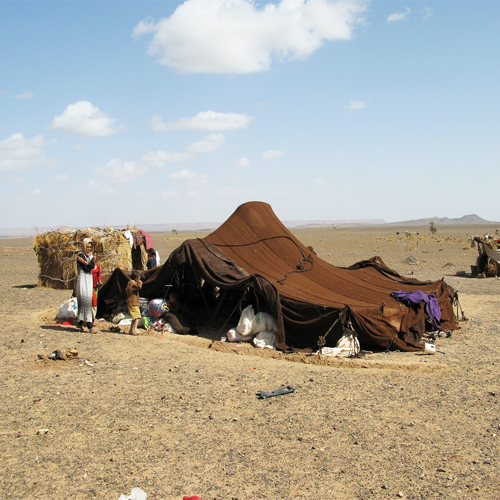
(177, 417)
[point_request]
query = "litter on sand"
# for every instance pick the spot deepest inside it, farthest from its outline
(276, 392)
(137, 494)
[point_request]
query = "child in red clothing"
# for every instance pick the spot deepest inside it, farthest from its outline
(96, 277)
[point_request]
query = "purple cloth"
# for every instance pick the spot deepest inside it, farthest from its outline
(431, 304)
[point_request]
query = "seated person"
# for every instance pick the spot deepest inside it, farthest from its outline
(151, 259)
(178, 315)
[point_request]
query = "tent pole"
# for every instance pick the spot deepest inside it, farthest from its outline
(203, 295)
(219, 305)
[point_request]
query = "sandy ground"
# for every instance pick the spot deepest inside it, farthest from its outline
(174, 417)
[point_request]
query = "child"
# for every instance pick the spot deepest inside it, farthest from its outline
(97, 281)
(132, 291)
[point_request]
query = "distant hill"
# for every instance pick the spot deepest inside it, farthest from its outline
(332, 223)
(471, 219)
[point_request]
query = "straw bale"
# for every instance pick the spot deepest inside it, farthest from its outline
(57, 251)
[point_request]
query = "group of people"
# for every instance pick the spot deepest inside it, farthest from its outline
(87, 285)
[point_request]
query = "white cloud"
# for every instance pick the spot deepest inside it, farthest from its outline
(35, 192)
(170, 194)
(237, 37)
(399, 16)
(243, 162)
(24, 95)
(429, 12)
(211, 143)
(321, 182)
(84, 119)
(103, 187)
(61, 177)
(190, 177)
(12, 178)
(78, 147)
(208, 121)
(271, 154)
(355, 105)
(18, 153)
(160, 158)
(228, 191)
(117, 170)
(157, 124)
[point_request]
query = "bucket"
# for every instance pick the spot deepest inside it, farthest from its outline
(473, 271)
(429, 348)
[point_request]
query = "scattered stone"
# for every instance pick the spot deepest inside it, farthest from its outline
(40, 432)
(411, 259)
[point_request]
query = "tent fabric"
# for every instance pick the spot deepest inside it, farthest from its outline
(309, 297)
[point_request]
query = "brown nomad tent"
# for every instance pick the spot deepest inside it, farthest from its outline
(309, 297)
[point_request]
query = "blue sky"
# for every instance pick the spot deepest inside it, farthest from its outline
(147, 112)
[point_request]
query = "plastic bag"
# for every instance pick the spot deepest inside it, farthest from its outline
(245, 323)
(137, 494)
(68, 309)
(264, 322)
(265, 340)
(234, 336)
(156, 308)
(118, 318)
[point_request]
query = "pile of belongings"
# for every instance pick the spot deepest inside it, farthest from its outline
(488, 260)
(260, 328)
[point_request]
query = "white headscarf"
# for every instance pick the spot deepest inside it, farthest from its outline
(85, 242)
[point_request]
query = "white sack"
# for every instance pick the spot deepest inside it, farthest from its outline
(245, 323)
(264, 322)
(68, 309)
(347, 346)
(234, 336)
(265, 340)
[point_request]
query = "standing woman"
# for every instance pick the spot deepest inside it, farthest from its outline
(84, 286)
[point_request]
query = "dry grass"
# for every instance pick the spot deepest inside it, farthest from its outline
(57, 250)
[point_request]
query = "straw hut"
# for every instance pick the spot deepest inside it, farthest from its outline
(57, 250)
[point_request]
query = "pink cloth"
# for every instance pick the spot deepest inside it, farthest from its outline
(148, 239)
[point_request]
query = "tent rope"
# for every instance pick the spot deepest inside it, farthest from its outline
(299, 267)
(231, 315)
(456, 303)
